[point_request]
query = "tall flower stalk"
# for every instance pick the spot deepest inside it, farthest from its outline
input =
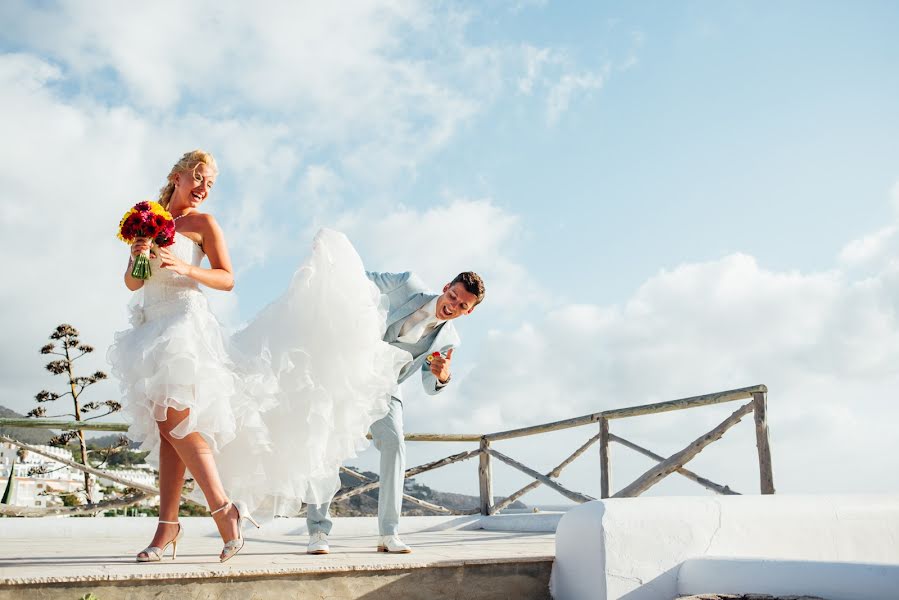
(69, 348)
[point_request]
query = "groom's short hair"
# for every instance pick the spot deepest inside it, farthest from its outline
(473, 284)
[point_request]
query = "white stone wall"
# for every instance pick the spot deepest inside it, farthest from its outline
(138, 476)
(634, 548)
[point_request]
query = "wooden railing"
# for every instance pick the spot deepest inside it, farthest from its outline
(757, 404)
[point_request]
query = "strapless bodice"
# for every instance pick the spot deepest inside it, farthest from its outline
(166, 292)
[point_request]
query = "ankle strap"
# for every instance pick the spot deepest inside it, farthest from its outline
(169, 522)
(221, 508)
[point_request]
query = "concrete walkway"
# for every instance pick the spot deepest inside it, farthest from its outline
(493, 557)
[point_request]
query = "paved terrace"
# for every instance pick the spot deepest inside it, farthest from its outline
(502, 556)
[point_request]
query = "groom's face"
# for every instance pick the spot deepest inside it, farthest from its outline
(455, 301)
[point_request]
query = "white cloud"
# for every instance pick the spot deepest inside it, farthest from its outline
(57, 232)
(568, 86)
(826, 345)
(321, 190)
(534, 61)
(78, 164)
(870, 248)
(340, 75)
(300, 110)
(554, 75)
(553, 72)
(443, 238)
(316, 114)
(517, 6)
(877, 250)
(632, 58)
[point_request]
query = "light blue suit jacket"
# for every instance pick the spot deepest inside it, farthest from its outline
(406, 293)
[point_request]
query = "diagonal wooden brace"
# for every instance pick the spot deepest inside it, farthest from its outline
(678, 460)
(577, 497)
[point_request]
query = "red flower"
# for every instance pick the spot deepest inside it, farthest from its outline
(145, 223)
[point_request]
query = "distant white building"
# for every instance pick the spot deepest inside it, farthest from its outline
(40, 489)
(138, 476)
(412, 488)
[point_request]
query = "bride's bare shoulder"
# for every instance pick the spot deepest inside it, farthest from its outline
(200, 227)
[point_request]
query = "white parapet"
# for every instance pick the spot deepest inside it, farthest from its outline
(634, 548)
(823, 579)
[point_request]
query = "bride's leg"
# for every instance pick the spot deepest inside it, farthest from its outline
(171, 482)
(197, 457)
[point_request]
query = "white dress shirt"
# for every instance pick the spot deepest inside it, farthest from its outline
(420, 323)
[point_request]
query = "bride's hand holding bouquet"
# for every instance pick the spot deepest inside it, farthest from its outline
(143, 246)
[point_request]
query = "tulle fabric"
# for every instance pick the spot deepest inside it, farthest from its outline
(176, 355)
(284, 401)
(335, 376)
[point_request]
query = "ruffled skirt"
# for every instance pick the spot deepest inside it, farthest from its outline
(284, 401)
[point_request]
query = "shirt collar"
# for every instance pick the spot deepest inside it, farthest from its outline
(430, 310)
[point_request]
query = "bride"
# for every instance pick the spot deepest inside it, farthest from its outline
(269, 414)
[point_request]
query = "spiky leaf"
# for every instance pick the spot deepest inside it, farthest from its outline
(57, 366)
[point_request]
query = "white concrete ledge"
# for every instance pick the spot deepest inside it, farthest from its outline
(633, 548)
(843, 580)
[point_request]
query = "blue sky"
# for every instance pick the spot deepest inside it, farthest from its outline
(738, 130)
(666, 198)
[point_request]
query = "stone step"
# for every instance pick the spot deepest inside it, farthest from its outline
(500, 579)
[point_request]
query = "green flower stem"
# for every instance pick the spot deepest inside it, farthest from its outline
(141, 268)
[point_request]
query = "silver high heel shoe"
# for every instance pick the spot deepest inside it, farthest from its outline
(155, 553)
(232, 547)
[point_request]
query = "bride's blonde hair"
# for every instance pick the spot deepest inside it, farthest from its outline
(189, 162)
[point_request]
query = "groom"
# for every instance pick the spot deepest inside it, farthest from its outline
(418, 322)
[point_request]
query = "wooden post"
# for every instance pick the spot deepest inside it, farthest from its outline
(766, 472)
(485, 476)
(605, 465)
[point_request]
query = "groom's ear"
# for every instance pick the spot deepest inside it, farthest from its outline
(446, 288)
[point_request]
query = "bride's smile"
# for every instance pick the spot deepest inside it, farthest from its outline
(192, 187)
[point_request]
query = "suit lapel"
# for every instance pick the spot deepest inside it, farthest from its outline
(439, 338)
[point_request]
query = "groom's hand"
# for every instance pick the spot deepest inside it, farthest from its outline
(440, 366)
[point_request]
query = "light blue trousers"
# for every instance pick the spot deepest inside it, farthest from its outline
(387, 435)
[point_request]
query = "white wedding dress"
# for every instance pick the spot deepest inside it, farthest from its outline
(284, 401)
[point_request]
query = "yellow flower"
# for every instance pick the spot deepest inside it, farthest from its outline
(122, 222)
(157, 209)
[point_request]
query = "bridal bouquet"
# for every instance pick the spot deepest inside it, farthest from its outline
(146, 220)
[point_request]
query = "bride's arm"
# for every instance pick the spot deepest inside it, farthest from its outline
(219, 276)
(132, 283)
